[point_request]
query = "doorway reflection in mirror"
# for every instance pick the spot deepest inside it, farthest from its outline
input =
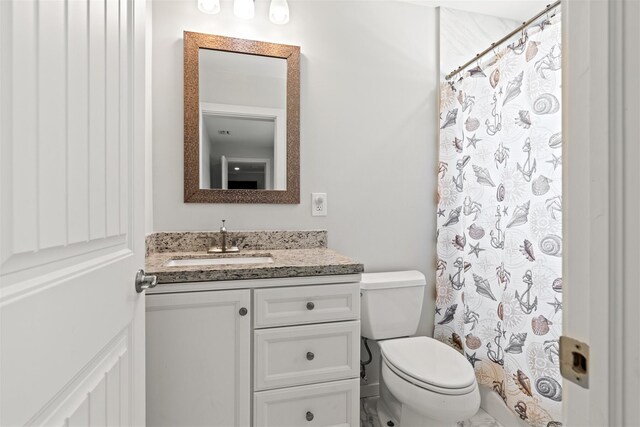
(242, 121)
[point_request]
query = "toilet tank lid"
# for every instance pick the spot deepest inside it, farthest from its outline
(392, 279)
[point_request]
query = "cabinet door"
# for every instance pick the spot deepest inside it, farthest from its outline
(198, 359)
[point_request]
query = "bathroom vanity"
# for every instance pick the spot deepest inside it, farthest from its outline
(265, 344)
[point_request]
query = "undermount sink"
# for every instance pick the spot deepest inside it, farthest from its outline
(186, 262)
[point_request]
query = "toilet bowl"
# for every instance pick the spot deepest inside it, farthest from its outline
(423, 381)
(432, 384)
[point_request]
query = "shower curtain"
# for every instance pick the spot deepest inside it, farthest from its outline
(499, 244)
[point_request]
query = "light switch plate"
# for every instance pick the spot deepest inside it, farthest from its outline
(318, 204)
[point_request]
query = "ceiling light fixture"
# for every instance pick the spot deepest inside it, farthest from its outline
(209, 6)
(236, 168)
(244, 9)
(279, 12)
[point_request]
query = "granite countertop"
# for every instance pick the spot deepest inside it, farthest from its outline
(286, 263)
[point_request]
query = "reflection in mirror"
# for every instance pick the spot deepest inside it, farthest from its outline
(242, 121)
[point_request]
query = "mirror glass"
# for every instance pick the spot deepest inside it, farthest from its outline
(243, 121)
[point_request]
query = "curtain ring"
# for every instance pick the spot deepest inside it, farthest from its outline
(524, 38)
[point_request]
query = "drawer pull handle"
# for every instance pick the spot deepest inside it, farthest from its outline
(310, 305)
(309, 416)
(243, 311)
(310, 355)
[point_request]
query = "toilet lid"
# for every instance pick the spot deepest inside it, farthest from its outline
(429, 361)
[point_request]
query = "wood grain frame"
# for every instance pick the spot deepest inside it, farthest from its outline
(192, 191)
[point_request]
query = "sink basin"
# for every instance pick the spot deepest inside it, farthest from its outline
(186, 262)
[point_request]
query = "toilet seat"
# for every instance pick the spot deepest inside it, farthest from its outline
(429, 364)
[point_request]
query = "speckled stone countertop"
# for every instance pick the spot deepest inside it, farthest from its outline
(286, 263)
(294, 254)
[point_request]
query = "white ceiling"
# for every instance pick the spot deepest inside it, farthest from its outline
(520, 10)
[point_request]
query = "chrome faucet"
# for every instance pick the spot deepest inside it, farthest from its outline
(223, 233)
(223, 247)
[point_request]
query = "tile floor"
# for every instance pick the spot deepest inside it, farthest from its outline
(369, 418)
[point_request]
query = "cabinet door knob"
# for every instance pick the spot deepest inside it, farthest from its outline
(310, 305)
(309, 416)
(310, 355)
(243, 311)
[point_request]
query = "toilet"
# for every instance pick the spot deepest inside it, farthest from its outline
(423, 382)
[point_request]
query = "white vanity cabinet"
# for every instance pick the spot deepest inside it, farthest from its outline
(199, 359)
(291, 359)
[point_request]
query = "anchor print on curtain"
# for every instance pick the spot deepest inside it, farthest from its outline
(499, 237)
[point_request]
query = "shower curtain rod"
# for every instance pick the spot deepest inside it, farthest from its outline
(504, 39)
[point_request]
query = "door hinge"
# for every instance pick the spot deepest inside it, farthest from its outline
(574, 361)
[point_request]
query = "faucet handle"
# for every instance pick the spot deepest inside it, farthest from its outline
(223, 229)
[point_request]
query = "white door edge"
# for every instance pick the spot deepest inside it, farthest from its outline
(601, 202)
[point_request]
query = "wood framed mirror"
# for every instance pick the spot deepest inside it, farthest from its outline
(241, 121)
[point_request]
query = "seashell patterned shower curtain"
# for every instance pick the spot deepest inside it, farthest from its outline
(499, 238)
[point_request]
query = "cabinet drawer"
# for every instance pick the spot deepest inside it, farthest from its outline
(306, 354)
(317, 405)
(306, 304)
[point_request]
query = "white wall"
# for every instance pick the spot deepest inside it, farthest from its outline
(368, 127)
(518, 10)
(220, 83)
(464, 34)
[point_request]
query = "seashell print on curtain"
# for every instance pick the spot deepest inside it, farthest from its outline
(499, 238)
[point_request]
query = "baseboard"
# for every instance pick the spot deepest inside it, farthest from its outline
(369, 390)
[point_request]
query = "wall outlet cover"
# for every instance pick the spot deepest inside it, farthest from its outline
(318, 204)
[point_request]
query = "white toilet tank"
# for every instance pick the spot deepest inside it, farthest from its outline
(391, 304)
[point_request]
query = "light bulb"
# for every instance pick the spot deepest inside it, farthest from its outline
(209, 6)
(244, 9)
(279, 12)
